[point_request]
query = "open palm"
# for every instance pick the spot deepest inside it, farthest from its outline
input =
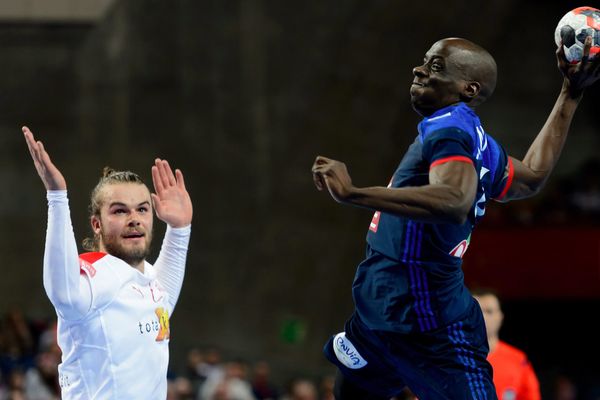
(171, 200)
(50, 175)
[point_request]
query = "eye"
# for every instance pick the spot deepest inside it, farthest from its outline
(437, 66)
(119, 211)
(143, 210)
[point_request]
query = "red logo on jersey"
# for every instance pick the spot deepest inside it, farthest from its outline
(375, 222)
(87, 267)
(460, 249)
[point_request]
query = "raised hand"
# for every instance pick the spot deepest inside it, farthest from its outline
(333, 175)
(581, 75)
(51, 176)
(171, 200)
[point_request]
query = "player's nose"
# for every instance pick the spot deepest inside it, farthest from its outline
(133, 221)
(419, 71)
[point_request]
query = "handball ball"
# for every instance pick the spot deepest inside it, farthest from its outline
(572, 30)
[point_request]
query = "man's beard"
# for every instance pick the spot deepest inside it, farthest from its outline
(131, 256)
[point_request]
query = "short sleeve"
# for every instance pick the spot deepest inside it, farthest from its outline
(448, 144)
(505, 172)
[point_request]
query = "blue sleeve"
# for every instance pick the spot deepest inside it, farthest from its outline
(504, 173)
(446, 143)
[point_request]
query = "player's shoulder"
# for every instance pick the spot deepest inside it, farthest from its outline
(92, 257)
(89, 262)
(510, 351)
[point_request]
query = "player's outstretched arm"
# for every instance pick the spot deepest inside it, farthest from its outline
(50, 175)
(446, 199)
(532, 172)
(171, 200)
(67, 290)
(173, 206)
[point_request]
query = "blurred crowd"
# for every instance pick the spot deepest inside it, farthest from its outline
(208, 377)
(29, 357)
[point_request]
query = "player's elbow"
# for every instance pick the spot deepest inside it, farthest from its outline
(458, 206)
(523, 190)
(457, 215)
(455, 212)
(65, 305)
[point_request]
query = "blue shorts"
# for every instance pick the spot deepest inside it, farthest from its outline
(445, 363)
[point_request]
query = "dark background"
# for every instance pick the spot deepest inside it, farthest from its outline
(242, 95)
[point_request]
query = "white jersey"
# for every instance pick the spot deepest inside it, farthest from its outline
(113, 320)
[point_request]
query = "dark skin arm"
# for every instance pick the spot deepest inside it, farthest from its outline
(533, 171)
(446, 199)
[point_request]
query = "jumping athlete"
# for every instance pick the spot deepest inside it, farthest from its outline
(415, 323)
(113, 307)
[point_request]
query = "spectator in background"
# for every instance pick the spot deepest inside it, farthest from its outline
(326, 388)
(195, 360)
(232, 385)
(180, 388)
(210, 366)
(41, 382)
(514, 376)
(262, 387)
(16, 389)
(564, 389)
(16, 343)
(301, 389)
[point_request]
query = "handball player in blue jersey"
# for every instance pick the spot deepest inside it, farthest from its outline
(415, 323)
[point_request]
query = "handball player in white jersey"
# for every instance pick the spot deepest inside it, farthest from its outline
(113, 306)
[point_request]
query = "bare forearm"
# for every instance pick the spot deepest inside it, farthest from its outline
(547, 146)
(430, 203)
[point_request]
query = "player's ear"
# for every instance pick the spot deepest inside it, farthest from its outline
(471, 90)
(96, 224)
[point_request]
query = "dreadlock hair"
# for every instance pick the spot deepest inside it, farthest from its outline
(109, 177)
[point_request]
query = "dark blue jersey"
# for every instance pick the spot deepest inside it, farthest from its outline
(412, 277)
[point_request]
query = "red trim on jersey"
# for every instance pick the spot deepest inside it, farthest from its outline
(451, 158)
(511, 175)
(92, 257)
